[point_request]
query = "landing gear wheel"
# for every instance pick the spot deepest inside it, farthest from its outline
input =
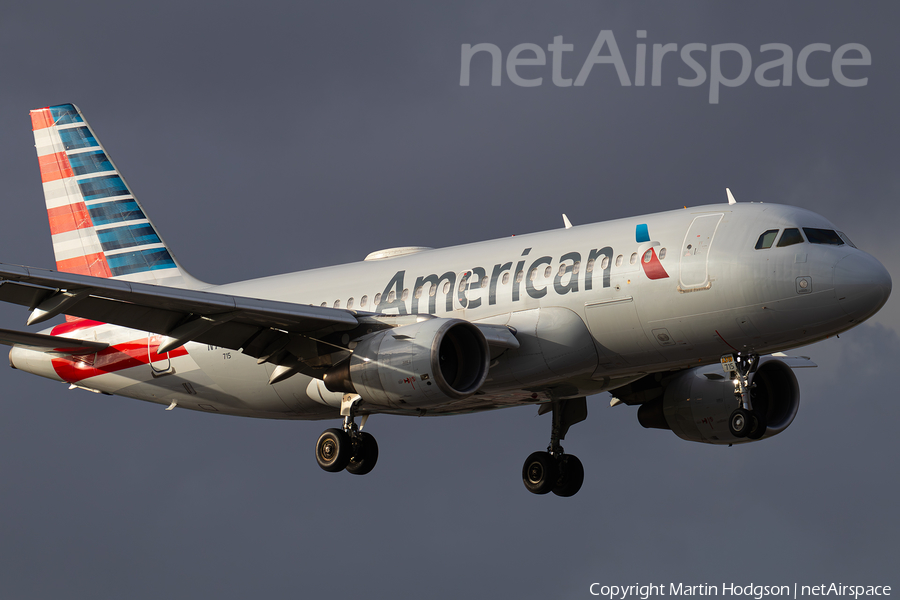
(740, 423)
(366, 455)
(759, 425)
(571, 476)
(333, 450)
(540, 473)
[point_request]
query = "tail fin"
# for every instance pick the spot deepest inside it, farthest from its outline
(97, 224)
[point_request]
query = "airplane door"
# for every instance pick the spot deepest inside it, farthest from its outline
(694, 265)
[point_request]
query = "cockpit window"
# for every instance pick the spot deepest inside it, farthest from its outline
(823, 236)
(790, 237)
(766, 239)
(846, 239)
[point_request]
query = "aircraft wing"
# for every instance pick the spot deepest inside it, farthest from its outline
(295, 337)
(279, 332)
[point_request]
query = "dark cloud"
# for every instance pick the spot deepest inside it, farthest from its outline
(276, 137)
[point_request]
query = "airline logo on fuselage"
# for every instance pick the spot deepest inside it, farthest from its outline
(650, 262)
(530, 278)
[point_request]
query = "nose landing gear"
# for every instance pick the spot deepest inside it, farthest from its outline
(554, 470)
(744, 421)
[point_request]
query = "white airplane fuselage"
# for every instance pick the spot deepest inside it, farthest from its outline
(593, 307)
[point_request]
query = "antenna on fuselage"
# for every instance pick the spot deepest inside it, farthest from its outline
(567, 222)
(731, 199)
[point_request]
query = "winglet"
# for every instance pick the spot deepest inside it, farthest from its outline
(731, 199)
(567, 222)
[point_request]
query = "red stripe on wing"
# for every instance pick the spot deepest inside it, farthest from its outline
(115, 358)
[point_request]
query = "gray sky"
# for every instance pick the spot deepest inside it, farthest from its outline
(266, 138)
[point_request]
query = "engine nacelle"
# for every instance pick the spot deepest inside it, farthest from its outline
(696, 404)
(414, 366)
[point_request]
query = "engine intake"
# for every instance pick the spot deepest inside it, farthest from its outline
(419, 365)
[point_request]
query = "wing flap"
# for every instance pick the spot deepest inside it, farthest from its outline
(52, 344)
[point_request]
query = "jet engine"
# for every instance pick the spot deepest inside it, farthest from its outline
(696, 404)
(414, 366)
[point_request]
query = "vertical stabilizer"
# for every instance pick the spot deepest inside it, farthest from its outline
(98, 226)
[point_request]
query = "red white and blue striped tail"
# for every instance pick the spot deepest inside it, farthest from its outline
(97, 224)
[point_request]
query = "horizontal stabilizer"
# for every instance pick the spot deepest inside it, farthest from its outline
(52, 344)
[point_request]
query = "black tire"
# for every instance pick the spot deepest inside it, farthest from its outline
(366, 455)
(333, 450)
(571, 476)
(759, 425)
(540, 473)
(740, 423)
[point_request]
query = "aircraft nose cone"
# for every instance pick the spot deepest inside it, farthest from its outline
(861, 285)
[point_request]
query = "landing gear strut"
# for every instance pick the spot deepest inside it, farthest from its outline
(554, 470)
(744, 421)
(348, 448)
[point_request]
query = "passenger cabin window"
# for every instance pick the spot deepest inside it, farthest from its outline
(823, 236)
(790, 237)
(766, 239)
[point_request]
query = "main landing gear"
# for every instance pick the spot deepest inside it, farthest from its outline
(348, 448)
(744, 421)
(554, 470)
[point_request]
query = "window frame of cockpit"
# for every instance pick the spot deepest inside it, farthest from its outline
(784, 243)
(820, 236)
(760, 241)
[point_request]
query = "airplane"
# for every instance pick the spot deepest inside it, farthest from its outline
(685, 314)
